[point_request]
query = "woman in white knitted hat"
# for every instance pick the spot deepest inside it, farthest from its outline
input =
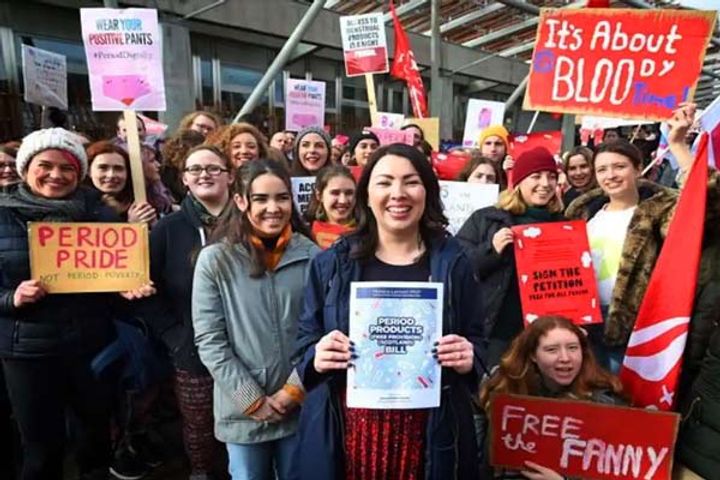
(48, 341)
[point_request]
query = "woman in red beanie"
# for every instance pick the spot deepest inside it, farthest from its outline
(487, 237)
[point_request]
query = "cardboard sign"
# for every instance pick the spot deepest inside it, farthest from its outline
(44, 77)
(550, 141)
(555, 272)
(461, 199)
(480, 115)
(389, 120)
(303, 188)
(617, 62)
(89, 257)
(582, 439)
(388, 136)
(124, 57)
(431, 129)
(364, 44)
(304, 104)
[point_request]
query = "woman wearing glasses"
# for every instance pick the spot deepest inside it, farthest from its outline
(174, 243)
(8, 171)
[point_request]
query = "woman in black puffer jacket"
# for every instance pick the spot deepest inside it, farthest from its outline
(48, 341)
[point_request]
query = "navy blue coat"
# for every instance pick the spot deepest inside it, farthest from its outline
(451, 446)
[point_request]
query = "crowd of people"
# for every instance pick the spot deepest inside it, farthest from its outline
(244, 325)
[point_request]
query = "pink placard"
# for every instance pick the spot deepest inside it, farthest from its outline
(389, 135)
(124, 55)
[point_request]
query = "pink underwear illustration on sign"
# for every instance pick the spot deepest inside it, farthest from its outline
(125, 88)
(304, 119)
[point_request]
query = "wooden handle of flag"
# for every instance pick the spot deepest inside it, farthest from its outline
(136, 167)
(372, 102)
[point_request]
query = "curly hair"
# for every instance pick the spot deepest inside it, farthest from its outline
(518, 373)
(188, 119)
(222, 138)
(176, 148)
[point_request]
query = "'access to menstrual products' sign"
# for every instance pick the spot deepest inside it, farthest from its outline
(555, 272)
(582, 439)
(617, 62)
(124, 56)
(89, 257)
(364, 44)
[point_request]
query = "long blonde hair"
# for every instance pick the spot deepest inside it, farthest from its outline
(511, 201)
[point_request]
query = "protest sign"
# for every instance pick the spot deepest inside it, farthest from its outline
(153, 128)
(448, 166)
(555, 272)
(480, 115)
(124, 56)
(394, 326)
(617, 62)
(302, 189)
(44, 77)
(388, 136)
(550, 141)
(388, 120)
(461, 199)
(364, 44)
(89, 257)
(304, 104)
(582, 439)
(431, 129)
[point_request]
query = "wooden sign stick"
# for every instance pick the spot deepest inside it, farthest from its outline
(136, 166)
(372, 102)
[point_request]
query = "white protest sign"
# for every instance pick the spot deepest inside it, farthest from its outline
(304, 104)
(44, 77)
(364, 44)
(461, 199)
(302, 190)
(480, 115)
(124, 57)
(596, 123)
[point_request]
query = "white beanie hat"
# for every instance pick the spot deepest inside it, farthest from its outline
(51, 138)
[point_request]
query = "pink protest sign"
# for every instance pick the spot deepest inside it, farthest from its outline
(389, 135)
(304, 104)
(124, 55)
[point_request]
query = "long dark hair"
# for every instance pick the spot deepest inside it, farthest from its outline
(235, 227)
(433, 221)
(315, 210)
(518, 374)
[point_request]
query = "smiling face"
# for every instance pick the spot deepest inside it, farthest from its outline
(493, 147)
(396, 196)
(616, 174)
(205, 186)
(338, 199)
(203, 124)
(363, 150)
(312, 152)
(483, 173)
(579, 172)
(8, 170)
(244, 148)
(51, 175)
(108, 172)
(279, 141)
(538, 188)
(558, 357)
(268, 206)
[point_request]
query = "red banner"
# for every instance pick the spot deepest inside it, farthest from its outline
(582, 439)
(555, 272)
(617, 62)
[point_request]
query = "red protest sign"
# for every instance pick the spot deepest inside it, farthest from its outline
(582, 439)
(555, 272)
(550, 141)
(364, 44)
(388, 136)
(449, 165)
(617, 62)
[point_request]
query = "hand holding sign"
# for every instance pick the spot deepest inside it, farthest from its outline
(29, 291)
(538, 472)
(454, 351)
(502, 239)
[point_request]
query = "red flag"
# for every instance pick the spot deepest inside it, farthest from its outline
(405, 68)
(651, 368)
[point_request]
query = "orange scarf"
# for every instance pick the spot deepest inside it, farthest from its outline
(272, 257)
(326, 233)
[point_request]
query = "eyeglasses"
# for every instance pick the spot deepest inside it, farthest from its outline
(10, 165)
(213, 170)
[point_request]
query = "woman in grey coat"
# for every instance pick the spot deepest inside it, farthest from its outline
(247, 295)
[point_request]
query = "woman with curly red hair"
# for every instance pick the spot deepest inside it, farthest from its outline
(241, 142)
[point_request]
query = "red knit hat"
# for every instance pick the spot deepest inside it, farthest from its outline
(536, 160)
